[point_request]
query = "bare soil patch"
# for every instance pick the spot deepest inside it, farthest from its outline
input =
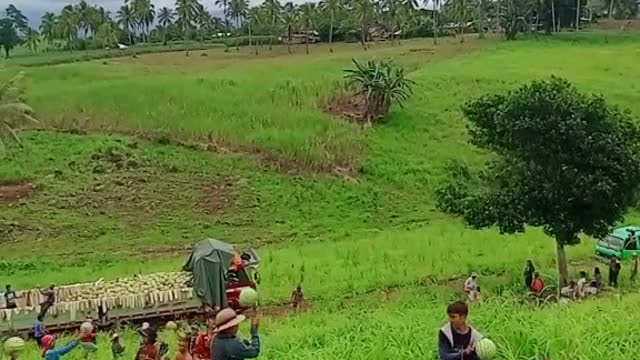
(13, 192)
(219, 196)
(351, 107)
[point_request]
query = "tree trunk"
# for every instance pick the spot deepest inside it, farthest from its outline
(273, 25)
(563, 272)
(331, 34)
(186, 41)
(289, 39)
(364, 46)
(435, 25)
(578, 16)
(307, 42)
(611, 9)
(130, 38)
(553, 16)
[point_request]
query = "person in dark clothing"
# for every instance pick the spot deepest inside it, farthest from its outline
(597, 279)
(50, 299)
(457, 339)
(614, 271)
(529, 270)
(226, 345)
(10, 298)
(116, 347)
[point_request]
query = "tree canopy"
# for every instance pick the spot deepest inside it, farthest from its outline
(563, 161)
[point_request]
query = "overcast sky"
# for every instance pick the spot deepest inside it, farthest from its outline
(34, 9)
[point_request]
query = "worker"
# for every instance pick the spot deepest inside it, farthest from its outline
(470, 286)
(529, 270)
(151, 349)
(226, 345)
(297, 298)
(50, 299)
(39, 330)
(49, 350)
(456, 339)
(597, 279)
(614, 271)
(634, 267)
(581, 286)
(10, 298)
(569, 291)
(202, 346)
(116, 347)
(183, 349)
(537, 284)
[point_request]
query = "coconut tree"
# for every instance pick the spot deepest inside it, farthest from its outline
(187, 11)
(331, 8)
(363, 13)
(106, 36)
(13, 113)
(224, 4)
(32, 39)
(436, 19)
(308, 17)
(68, 25)
(48, 27)
(144, 13)
(254, 19)
(238, 11)
(127, 21)
(273, 9)
(289, 20)
(165, 18)
(83, 11)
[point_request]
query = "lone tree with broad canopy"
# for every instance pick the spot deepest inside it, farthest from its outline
(563, 161)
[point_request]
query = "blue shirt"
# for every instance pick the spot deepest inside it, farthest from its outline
(226, 347)
(59, 352)
(38, 331)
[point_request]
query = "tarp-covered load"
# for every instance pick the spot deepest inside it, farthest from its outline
(209, 262)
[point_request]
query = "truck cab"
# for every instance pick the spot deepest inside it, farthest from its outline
(621, 243)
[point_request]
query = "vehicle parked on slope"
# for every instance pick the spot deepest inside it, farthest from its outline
(621, 242)
(213, 278)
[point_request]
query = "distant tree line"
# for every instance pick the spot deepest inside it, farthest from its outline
(83, 26)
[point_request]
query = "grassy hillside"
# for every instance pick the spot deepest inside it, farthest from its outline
(234, 146)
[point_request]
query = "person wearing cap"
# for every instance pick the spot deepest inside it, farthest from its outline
(151, 349)
(116, 348)
(470, 286)
(226, 345)
(49, 350)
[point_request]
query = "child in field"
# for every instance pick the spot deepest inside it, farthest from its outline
(457, 339)
(116, 348)
(470, 286)
(537, 284)
(297, 298)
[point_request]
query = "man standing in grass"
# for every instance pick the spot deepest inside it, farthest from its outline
(634, 267)
(614, 271)
(457, 339)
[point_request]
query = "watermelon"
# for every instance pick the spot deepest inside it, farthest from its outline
(248, 297)
(170, 325)
(13, 344)
(486, 349)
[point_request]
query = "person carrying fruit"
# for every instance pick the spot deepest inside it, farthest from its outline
(226, 345)
(49, 350)
(457, 339)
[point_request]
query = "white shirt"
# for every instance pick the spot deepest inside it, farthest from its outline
(470, 285)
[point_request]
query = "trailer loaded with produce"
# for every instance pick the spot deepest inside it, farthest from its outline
(213, 277)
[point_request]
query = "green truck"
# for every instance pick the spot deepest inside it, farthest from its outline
(621, 242)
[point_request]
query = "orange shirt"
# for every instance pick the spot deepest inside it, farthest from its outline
(537, 286)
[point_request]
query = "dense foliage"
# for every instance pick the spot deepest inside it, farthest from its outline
(565, 161)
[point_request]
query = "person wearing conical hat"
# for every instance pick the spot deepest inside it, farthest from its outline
(226, 345)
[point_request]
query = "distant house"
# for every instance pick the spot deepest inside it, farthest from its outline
(301, 37)
(378, 33)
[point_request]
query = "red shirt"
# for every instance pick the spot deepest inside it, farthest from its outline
(537, 285)
(202, 347)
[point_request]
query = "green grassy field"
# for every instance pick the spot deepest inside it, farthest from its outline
(347, 211)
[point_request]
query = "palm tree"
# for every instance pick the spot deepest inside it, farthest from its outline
(363, 12)
(12, 113)
(289, 19)
(126, 20)
(238, 10)
(332, 8)
(106, 36)
(98, 16)
(32, 39)
(144, 13)
(308, 16)
(84, 15)
(393, 15)
(48, 27)
(224, 4)
(272, 8)
(436, 19)
(68, 25)
(165, 18)
(187, 10)
(254, 19)
(460, 11)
